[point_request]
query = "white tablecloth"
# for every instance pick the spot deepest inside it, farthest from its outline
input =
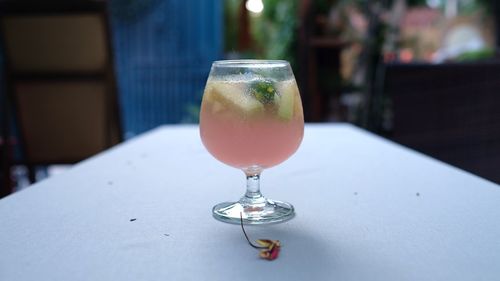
(367, 209)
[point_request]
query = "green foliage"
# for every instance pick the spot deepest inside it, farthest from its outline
(274, 30)
(231, 24)
(476, 55)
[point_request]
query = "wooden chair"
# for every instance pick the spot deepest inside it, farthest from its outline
(60, 77)
(450, 112)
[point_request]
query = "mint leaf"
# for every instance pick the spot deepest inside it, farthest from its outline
(263, 90)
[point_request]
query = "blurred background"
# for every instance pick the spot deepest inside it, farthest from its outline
(77, 77)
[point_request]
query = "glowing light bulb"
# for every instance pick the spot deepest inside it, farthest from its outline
(254, 6)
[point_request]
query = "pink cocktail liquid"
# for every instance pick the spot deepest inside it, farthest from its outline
(253, 136)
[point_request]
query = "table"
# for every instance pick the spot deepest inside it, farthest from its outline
(367, 209)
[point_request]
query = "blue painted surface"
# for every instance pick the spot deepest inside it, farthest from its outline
(163, 55)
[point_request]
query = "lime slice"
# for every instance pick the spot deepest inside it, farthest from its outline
(286, 102)
(232, 96)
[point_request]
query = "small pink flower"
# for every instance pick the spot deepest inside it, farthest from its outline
(269, 249)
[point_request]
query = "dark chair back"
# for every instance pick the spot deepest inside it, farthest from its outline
(60, 76)
(450, 112)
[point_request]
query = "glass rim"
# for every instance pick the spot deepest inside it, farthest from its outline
(251, 63)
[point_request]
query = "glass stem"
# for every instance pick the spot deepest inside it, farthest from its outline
(253, 189)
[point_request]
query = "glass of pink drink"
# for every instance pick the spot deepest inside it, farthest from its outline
(251, 119)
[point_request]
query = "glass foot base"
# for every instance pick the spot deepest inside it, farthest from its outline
(265, 212)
